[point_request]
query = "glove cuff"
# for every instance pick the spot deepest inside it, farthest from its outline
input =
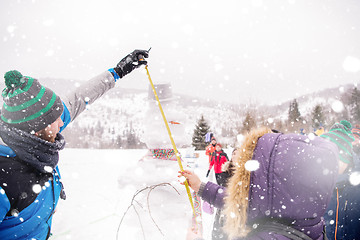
(201, 189)
(119, 72)
(114, 73)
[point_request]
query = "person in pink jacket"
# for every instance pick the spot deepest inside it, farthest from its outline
(218, 158)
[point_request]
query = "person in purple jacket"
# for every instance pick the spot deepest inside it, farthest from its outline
(284, 196)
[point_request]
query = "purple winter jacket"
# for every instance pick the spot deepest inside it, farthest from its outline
(294, 183)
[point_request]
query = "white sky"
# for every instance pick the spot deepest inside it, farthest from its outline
(233, 50)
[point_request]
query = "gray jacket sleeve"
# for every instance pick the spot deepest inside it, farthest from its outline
(87, 93)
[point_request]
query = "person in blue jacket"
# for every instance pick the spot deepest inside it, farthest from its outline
(343, 213)
(32, 118)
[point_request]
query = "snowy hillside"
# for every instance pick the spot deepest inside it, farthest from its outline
(331, 100)
(115, 115)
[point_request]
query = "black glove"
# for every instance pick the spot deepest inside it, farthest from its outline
(207, 174)
(131, 61)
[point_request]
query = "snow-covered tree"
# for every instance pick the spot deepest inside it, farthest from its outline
(317, 116)
(249, 122)
(294, 113)
(354, 105)
(201, 128)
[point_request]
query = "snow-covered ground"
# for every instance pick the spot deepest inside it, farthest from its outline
(100, 185)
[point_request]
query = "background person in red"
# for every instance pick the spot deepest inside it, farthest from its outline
(218, 158)
(211, 148)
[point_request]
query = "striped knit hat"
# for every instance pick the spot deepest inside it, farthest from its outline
(341, 135)
(28, 105)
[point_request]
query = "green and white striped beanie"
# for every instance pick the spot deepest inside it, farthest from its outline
(341, 135)
(28, 105)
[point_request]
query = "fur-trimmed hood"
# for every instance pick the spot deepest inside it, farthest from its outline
(294, 182)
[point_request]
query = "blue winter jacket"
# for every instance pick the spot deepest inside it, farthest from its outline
(345, 204)
(34, 219)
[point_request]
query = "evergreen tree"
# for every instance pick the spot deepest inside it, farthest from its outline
(131, 139)
(99, 129)
(294, 113)
(198, 138)
(118, 142)
(317, 116)
(249, 122)
(355, 105)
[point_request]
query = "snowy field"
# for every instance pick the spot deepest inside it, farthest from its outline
(100, 186)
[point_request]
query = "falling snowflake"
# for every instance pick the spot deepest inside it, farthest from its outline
(252, 165)
(14, 213)
(50, 53)
(337, 106)
(48, 169)
(239, 138)
(311, 136)
(354, 178)
(11, 29)
(36, 188)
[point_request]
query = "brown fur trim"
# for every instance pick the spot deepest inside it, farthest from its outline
(236, 201)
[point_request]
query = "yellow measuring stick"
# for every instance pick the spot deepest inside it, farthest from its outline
(171, 139)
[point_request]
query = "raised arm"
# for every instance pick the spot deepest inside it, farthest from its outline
(87, 93)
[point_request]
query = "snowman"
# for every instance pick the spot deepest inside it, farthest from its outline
(155, 135)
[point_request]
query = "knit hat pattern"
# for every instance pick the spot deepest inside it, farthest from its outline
(341, 135)
(28, 105)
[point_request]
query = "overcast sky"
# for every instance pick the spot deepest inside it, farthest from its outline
(265, 51)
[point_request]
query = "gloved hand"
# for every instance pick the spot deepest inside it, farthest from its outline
(208, 172)
(131, 61)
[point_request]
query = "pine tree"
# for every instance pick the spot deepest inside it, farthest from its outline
(132, 139)
(317, 116)
(355, 105)
(198, 139)
(118, 142)
(294, 113)
(249, 123)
